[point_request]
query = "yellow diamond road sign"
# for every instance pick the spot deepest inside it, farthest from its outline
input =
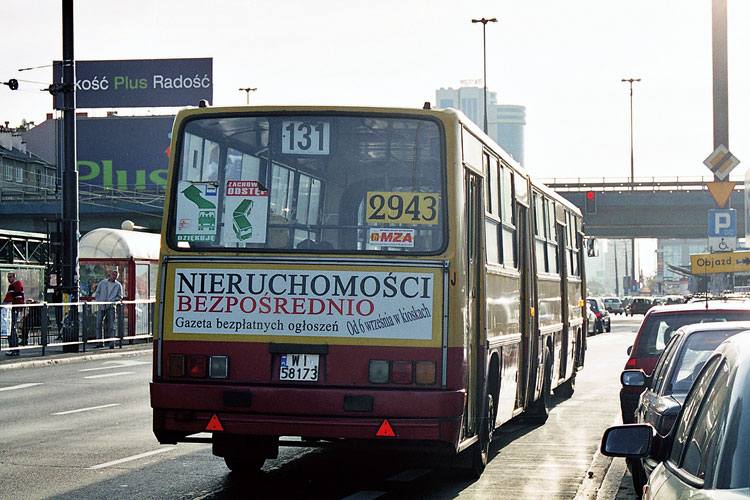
(721, 162)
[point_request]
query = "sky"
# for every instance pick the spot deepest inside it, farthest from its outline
(563, 61)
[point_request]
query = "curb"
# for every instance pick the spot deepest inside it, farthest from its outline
(596, 477)
(613, 480)
(61, 359)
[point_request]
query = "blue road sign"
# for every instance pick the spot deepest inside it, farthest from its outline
(722, 223)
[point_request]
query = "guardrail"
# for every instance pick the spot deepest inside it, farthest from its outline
(88, 194)
(48, 325)
(577, 184)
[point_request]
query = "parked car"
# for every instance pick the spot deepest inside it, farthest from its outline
(639, 305)
(602, 322)
(673, 375)
(674, 299)
(705, 456)
(657, 328)
(613, 305)
(590, 320)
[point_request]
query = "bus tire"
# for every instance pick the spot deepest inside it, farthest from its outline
(481, 450)
(538, 412)
(567, 389)
(244, 465)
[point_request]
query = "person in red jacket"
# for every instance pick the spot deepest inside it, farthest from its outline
(15, 295)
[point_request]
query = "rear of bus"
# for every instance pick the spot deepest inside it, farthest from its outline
(303, 282)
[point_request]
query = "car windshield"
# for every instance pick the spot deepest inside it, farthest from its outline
(658, 328)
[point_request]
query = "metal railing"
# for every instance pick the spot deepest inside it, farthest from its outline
(89, 194)
(577, 184)
(46, 325)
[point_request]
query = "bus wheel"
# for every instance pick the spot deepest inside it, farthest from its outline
(481, 450)
(244, 465)
(539, 411)
(567, 389)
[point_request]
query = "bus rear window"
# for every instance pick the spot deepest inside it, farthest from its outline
(310, 183)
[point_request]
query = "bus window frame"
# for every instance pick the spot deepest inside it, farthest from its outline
(175, 161)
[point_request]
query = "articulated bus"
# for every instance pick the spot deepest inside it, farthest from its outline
(382, 277)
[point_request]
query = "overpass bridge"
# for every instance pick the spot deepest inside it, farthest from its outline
(648, 207)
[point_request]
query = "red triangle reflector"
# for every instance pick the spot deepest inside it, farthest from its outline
(214, 424)
(385, 430)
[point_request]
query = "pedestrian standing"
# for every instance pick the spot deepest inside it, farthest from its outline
(109, 290)
(15, 295)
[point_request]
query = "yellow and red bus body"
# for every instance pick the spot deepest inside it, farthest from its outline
(355, 243)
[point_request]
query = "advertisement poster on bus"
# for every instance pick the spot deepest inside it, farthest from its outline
(196, 211)
(304, 303)
(245, 212)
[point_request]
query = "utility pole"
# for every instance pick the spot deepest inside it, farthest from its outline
(484, 58)
(70, 178)
(247, 93)
(632, 171)
(617, 275)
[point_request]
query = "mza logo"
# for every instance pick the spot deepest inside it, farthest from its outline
(392, 238)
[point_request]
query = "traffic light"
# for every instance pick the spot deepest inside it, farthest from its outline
(590, 202)
(12, 84)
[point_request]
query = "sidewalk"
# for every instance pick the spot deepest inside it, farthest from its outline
(55, 355)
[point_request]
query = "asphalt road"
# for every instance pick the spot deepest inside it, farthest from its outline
(83, 431)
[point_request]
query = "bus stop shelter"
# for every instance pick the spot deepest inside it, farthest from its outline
(135, 255)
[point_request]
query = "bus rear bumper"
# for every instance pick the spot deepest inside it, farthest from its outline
(184, 409)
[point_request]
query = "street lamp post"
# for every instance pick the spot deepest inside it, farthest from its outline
(484, 58)
(247, 93)
(632, 170)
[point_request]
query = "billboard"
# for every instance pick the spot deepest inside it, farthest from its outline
(138, 83)
(124, 153)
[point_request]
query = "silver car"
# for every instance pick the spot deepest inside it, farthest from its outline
(705, 456)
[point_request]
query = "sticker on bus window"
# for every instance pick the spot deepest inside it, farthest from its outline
(305, 137)
(391, 237)
(245, 212)
(196, 211)
(402, 208)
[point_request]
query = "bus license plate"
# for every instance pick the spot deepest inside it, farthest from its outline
(299, 367)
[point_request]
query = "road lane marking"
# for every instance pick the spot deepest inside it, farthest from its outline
(409, 475)
(365, 495)
(130, 459)
(110, 375)
(86, 409)
(115, 364)
(20, 386)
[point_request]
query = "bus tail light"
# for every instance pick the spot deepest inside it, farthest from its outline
(425, 372)
(176, 365)
(197, 366)
(218, 367)
(379, 371)
(402, 372)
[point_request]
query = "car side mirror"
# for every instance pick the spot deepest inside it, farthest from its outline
(633, 378)
(631, 441)
(630, 350)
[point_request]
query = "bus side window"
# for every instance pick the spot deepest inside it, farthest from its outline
(279, 232)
